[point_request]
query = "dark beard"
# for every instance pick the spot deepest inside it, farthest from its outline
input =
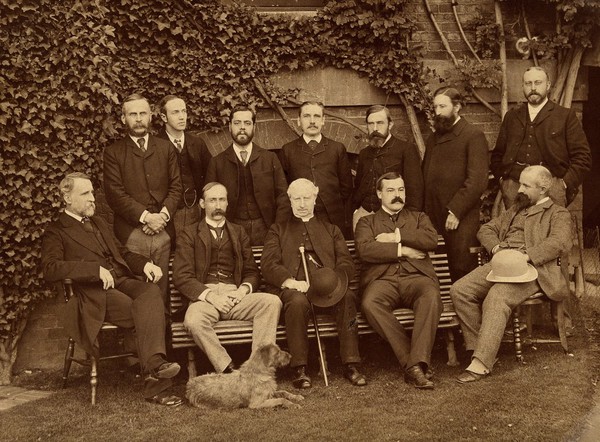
(376, 139)
(522, 201)
(443, 124)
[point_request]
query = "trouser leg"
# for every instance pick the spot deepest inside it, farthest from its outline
(296, 310)
(347, 327)
(458, 243)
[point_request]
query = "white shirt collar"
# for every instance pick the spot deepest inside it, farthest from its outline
(145, 137)
(72, 215)
(318, 138)
(237, 150)
(543, 200)
(533, 111)
(214, 223)
(305, 220)
(390, 213)
(387, 139)
(172, 138)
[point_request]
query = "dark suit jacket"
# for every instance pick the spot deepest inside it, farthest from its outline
(416, 231)
(395, 155)
(270, 187)
(455, 169)
(192, 259)
(134, 181)
(198, 155)
(68, 252)
(281, 257)
(328, 167)
(548, 236)
(564, 147)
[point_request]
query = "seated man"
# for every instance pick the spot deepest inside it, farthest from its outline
(215, 269)
(282, 267)
(397, 272)
(534, 226)
(82, 247)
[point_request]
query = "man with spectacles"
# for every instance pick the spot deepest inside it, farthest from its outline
(541, 132)
(192, 155)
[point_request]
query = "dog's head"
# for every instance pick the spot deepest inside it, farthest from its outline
(273, 356)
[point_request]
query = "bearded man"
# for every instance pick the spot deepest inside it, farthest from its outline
(534, 226)
(455, 170)
(541, 132)
(253, 176)
(385, 153)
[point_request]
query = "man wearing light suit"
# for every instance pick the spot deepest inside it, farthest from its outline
(81, 247)
(533, 225)
(143, 187)
(215, 269)
(253, 177)
(393, 245)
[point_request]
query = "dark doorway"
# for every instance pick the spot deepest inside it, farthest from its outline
(591, 126)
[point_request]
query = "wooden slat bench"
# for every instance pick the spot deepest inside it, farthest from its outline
(240, 332)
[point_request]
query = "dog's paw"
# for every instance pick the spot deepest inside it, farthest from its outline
(297, 397)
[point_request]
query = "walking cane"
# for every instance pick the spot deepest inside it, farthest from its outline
(312, 309)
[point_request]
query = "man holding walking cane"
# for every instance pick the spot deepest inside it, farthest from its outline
(306, 246)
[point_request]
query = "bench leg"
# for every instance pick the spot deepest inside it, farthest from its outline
(561, 321)
(452, 360)
(68, 360)
(94, 379)
(191, 363)
(517, 335)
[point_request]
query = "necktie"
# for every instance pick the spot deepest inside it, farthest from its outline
(142, 144)
(218, 231)
(394, 217)
(178, 144)
(312, 144)
(87, 225)
(244, 155)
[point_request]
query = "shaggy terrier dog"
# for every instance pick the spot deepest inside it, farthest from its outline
(252, 386)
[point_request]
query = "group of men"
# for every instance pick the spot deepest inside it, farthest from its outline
(167, 187)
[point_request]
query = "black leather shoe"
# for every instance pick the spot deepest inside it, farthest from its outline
(354, 376)
(229, 368)
(415, 376)
(301, 380)
(166, 370)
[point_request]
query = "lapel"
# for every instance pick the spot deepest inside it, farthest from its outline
(108, 240)
(74, 229)
(534, 210)
(317, 234)
(255, 155)
(306, 148)
(233, 238)
(231, 156)
(205, 237)
(522, 114)
(455, 132)
(383, 218)
(544, 113)
(151, 147)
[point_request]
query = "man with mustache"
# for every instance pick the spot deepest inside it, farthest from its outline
(143, 187)
(322, 161)
(282, 267)
(455, 169)
(541, 132)
(535, 226)
(253, 176)
(396, 271)
(192, 156)
(215, 269)
(81, 247)
(385, 153)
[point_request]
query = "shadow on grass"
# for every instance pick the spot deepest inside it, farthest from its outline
(546, 399)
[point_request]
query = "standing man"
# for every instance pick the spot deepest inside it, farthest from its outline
(533, 230)
(253, 177)
(81, 247)
(455, 169)
(322, 161)
(143, 187)
(541, 132)
(192, 155)
(385, 153)
(397, 272)
(282, 267)
(214, 267)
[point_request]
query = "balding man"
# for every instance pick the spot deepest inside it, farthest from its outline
(538, 228)
(541, 132)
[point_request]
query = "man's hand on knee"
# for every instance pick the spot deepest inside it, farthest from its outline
(107, 279)
(301, 286)
(221, 301)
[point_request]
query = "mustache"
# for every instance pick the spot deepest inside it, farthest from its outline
(218, 212)
(397, 199)
(375, 134)
(522, 201)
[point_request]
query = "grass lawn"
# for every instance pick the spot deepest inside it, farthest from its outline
(544, 400)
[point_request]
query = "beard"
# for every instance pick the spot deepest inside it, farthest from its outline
(443, 124)
(536, 98)
(243, 138)
(377, 139)
(522, 201)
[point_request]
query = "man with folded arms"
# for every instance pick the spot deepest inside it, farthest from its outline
(214, 267)
(397, 272)
(81, 247)
(539, 232)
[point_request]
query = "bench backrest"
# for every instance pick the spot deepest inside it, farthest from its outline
(439, 258)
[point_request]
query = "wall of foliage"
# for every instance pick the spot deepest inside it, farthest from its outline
(66, 65)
